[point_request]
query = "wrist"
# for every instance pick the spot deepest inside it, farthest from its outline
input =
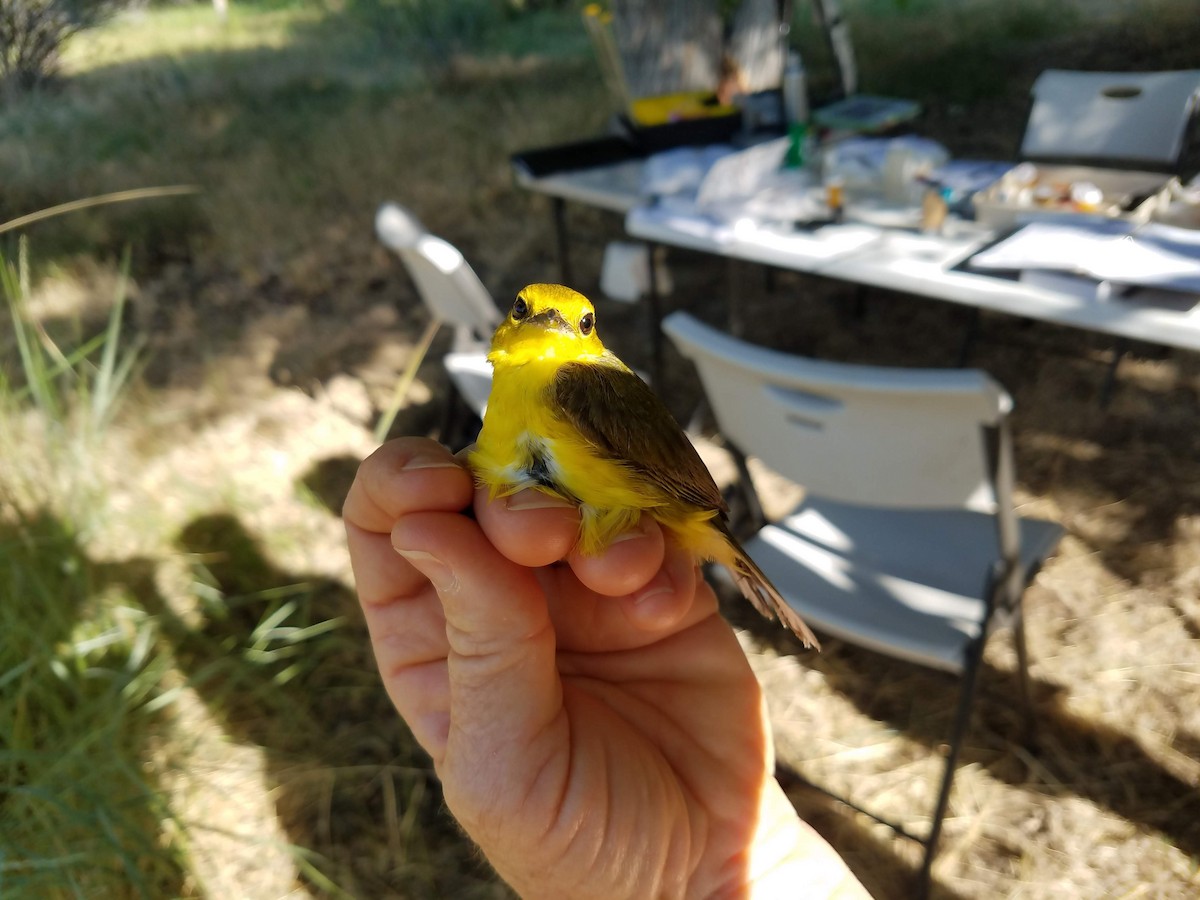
(789, 859)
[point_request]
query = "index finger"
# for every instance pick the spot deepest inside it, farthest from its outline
(404, 476)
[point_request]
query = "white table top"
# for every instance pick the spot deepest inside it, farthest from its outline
(927, 266)
(615, 187)
(891, 258)
(1147, 314)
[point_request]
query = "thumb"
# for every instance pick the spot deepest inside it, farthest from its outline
(504, 684)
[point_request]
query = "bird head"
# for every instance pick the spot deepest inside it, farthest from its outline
(547, 321)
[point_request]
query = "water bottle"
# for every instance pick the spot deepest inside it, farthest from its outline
(795, 110)
(795, 90)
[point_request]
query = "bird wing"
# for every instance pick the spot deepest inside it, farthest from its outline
(626, 421)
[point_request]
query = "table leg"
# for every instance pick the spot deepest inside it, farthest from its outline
(854, 309)
(860, 302)
(654, 314)
(769, 279)
(971, 333)
(560, 231)
(736, 323)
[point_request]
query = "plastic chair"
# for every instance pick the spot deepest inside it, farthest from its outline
(1127, 119)
(1146, 121)
(454, 295)
(472, 376)
(906, 541)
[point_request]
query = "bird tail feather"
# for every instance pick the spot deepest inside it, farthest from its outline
(758, 589)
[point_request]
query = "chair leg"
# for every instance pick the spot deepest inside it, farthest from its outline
(460, 424)
(1019, 644)
(961, 720)
(696, 421)
(754, 510)
(654, 318)
(451, 419)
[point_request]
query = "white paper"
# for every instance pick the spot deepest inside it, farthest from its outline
(679, 170)
(682, 217)
(740, 175)
(1152, 255)
(827, 242)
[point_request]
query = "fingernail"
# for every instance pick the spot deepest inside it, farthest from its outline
(431, 460)
(440, 575)
(659, 585)
(657, 605)
(535, 499)
(421, 461)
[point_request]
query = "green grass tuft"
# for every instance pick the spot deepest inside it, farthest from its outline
(81, 675)
(80, 814)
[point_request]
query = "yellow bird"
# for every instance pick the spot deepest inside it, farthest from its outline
(567, 417)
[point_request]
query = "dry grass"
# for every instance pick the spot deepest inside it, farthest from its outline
(276, 327)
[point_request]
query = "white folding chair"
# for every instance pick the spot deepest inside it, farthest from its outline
(453, 294)
(906, 541)
(1125, 119)
(1140, 121)
(472, 376)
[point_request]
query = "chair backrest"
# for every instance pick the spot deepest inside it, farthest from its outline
(918, 438)
(448, 286)
(1116, 117)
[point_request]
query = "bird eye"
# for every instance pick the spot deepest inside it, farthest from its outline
(586, 324)
(520, 309)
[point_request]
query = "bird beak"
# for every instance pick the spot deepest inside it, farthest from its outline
(550, 319)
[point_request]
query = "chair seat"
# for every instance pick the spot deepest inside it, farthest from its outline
(472, 376)
(908, 583)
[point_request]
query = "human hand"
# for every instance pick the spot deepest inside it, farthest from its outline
(594, 722)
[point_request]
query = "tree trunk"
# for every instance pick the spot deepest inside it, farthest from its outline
(756, 44)
(667, 46)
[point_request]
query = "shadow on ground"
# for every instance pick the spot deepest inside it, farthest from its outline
(81, 812)
(348, 781)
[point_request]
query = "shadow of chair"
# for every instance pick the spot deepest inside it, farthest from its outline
(906, 542)
(453, 295)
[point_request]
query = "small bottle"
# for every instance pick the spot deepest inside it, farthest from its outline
(835, 197)
(934, 209)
